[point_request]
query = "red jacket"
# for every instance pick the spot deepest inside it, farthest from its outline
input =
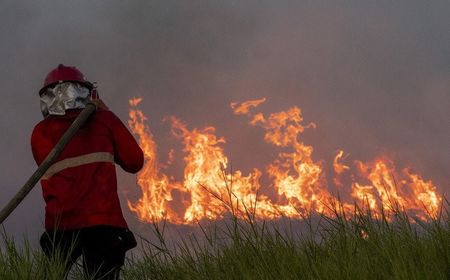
(80, 188)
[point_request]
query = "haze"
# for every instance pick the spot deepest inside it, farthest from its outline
(373, 76)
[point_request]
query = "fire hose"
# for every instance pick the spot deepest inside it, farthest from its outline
(45, 165)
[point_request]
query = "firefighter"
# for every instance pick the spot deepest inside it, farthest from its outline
(82, 213)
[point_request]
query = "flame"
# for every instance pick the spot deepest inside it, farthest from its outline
(244, 107)
(156, 187)
(339, 168)
(296, 176)
(211, 190)
(365, 195)
(425, 193)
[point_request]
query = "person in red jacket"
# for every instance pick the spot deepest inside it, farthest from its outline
(82, 213)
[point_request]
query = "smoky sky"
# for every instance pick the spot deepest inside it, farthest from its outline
(373, 75)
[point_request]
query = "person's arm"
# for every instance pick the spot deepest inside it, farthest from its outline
(127, 152)
(40, 146)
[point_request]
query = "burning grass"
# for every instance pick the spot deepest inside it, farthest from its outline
(389, 224)
(359, 246)
(292, 185)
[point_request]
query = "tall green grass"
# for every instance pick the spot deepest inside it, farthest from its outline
(24, 262)
(361, 246)
(337, 247)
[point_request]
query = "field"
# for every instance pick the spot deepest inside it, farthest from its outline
(363, 246)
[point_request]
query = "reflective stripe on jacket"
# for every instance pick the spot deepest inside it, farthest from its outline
(80, 188)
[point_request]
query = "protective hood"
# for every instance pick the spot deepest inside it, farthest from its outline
(56, 100)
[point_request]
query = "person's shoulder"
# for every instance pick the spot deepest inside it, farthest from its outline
(108, 118)
(41, 124)
(40, 128)
(106, 115)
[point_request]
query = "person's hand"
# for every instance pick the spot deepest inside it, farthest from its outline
(100, 105)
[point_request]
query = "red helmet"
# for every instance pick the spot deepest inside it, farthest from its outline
(62, 74)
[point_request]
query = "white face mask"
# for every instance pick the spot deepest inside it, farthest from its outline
(64, 96)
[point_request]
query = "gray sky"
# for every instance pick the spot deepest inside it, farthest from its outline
(373, 75)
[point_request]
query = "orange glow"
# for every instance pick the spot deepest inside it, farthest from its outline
(210, 190)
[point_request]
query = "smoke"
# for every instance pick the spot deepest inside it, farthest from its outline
(374, 76)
